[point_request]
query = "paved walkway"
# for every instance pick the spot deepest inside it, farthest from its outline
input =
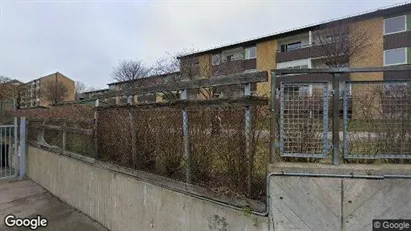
(25, 198)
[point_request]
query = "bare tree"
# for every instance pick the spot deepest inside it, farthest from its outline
(178, 72)
(5, 87)
(189, 68)
(130, 70)
(20, 96)
(54, 91)
(341, 42)
(166, 65)
(81, 88)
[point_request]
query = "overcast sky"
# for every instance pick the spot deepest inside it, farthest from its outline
(85, 39)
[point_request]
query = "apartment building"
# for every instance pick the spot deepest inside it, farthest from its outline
(389, 37)
(33, 93)
(92, 94)
(8, 91)
(142, 82)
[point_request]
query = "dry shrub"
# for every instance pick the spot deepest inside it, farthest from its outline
(114, 136)
(303, 124)
(218, 149)
(6, 112)
(158, 135)
(382, 114)
(218, 146)
(218, 159)
(159, 140)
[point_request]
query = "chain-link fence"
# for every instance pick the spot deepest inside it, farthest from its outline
(218, 141)
(220, 156)
(74, 136)
(379, 125)
(69, 128)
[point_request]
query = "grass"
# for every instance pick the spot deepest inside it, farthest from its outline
(354, 125)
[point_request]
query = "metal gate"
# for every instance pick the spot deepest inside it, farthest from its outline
(304, 119)
(8, 151)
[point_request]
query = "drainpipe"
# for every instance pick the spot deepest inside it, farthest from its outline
(55, 91)
(310, 38)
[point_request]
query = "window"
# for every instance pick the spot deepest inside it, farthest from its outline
(250, 53)
(329, 39)
(250, 71)
(301, 67)
(296, 67)
(216, 59)
(343, 88)
(290, 46)
(297, 90)
(395, 56)
(395, 25)
(340, 37)
(305, 90)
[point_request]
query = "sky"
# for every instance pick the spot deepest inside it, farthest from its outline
(84, 40)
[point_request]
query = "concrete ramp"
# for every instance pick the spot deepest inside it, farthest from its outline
(26, 199)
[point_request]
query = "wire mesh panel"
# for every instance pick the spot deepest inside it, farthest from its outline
(379, 124)
(222, 158)
(304, 120)
(157, 139)
(8, 159)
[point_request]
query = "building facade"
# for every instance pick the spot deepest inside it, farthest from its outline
(388, 37)
(141, 82)
(33, 93)
(92, 94)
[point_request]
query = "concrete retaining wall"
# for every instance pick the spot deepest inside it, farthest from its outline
(122, 202)
(328, 203)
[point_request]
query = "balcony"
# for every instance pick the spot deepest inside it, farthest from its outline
(397, 40)
(234, 66)
(307, 78)
(304, 52)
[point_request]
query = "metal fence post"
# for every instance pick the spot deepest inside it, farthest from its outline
(96, 129)
(273, 117)
(248, 138)
(136, 161)
(345, 119)
(186, 138)
(16, 154)
(23, 146)
(336, 117)
(64, 135)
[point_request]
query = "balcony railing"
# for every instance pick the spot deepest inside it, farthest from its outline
(305, 52)
(234, 66)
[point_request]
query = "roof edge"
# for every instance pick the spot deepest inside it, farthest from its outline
(148, 77)
(355, 16)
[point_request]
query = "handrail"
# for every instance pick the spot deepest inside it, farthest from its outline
(238, 79)
(343, 70)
